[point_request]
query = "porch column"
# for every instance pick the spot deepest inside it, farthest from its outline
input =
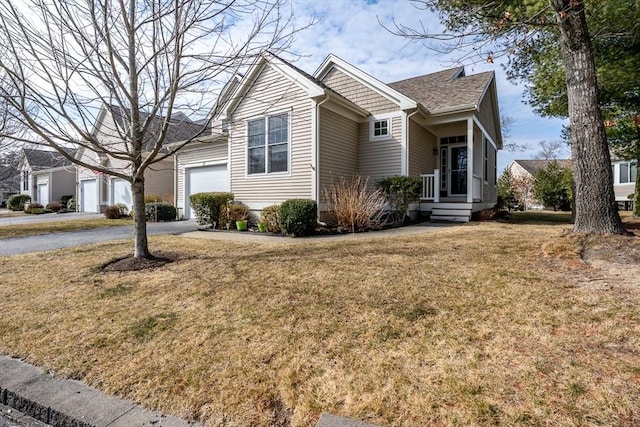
(470, 157)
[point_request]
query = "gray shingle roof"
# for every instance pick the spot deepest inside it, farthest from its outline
(445, 89)
(181, 128)
(43, 159)
(533, 166)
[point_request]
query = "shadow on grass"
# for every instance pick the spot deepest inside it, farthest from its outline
(540, 217)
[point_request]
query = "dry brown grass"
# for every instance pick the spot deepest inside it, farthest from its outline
(474, 325)
(23, 230)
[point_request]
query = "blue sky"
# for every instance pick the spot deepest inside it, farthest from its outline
(350, 30)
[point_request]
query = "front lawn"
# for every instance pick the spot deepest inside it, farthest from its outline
(484, 324)
(24, 230)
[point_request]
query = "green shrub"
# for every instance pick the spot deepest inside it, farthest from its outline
(160, 212)
(400, 192)
(17, 202)
(269, 218)
(54, 207)
(152, 198)
(209, 206)
(64, 201)
(71, 203)
(298, 217)
(116, 211)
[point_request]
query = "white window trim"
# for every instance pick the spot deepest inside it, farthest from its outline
(264, 117)
(374, 119)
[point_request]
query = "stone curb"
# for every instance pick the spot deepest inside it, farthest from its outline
(70, 403)
(328, 420)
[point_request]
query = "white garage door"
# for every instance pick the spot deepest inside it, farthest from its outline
(205, 179)
(88, 192)
(43, 194)
(121, 193)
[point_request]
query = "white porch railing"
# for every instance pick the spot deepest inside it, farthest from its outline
(477, 187)
(431, 186)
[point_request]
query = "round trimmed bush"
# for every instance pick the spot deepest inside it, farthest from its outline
(17, 202)
(160, 212)
(298, 217)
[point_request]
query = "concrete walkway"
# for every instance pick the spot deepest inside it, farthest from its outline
(251, 236)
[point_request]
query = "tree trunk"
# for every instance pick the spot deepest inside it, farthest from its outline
(140, 220)
(594, 197)
(636, 199)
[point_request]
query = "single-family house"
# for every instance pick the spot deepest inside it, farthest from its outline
(523, 173)
(286, 134)
(46, 176)
(97, 190)
(625, 174)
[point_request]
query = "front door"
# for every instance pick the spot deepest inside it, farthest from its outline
(458, 170)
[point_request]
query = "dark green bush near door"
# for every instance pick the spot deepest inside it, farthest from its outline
(160, 212)
(209, 206)
(298, 216)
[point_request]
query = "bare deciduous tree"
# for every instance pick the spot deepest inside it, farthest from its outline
(145, 61)
(551, 150)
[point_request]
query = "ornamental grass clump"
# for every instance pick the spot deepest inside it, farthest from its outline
(356, 207)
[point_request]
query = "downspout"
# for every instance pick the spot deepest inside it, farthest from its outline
(315, 158)
(405, 162)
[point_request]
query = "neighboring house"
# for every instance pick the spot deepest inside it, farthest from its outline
(282, 133)
(46, 176)
(523, 173)
(97, 190)
(9, 175)
(625, 173)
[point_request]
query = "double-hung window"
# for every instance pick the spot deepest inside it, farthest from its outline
(25, 180)
(628, 172)
(268, 144)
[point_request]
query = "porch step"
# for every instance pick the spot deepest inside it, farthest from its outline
(449, 218)
(451, 212)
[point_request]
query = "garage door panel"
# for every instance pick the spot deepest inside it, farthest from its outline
(205, 179)
(43, 194)
(89, 195)
(121, 193)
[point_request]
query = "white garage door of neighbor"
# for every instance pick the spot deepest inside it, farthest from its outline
(43, 194)
(121, 193)
(204, 179)
(88, 190)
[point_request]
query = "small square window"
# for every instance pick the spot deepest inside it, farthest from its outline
(380, 128)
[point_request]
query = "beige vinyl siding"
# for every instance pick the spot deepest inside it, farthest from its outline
(358, 93)
(489, 190)
(158, 180)
(272, 93)
(63, 183)
(486, 115)
(338, 156)
(380, 158)
(197, 155)
(421, 145)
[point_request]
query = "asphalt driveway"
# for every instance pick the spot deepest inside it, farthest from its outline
(21, 245)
